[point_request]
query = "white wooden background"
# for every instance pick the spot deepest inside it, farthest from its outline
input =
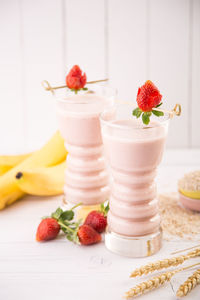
(128, 41)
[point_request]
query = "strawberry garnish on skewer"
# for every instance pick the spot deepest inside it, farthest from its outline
(76, 80)
(148, 98)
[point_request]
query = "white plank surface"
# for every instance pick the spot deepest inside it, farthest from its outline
(195, 82)
(85, 42)
(169, 59)
(60, 269)
(126, 46)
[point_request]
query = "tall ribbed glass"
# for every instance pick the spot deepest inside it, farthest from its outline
(134, 151)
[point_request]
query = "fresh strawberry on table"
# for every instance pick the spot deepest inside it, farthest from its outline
(50, 226)
(48, 229)
(98, 219)
(148, 99)
(87, 235)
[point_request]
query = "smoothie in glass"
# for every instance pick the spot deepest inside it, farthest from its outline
(86, 177)
(133, 151)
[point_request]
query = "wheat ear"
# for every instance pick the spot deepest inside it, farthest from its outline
(149, 285)
(189, 284)
(165, 263)
(154, 282)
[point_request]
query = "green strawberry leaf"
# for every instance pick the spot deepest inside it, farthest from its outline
(104, 209)
(67, 215)
(157, 113)
(159, 104)
(146, 117)
(66, 222)
(137, 112)
(69, 236)
(84, 89)
(56, 215)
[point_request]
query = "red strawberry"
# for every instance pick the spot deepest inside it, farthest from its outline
(87, 235)
(48, 229)
(148, 96)
(96, 220)
(75, 79)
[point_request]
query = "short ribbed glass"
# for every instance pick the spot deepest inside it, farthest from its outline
(86, 177)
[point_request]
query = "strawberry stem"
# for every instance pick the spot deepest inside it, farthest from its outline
(75, 206)
(65, 226)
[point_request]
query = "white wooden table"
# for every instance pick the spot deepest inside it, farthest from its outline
(61, 270)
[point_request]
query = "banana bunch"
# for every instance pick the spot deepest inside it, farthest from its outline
(7, 162)
(40, 173)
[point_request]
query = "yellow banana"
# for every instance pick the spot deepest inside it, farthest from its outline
(42, 181)
(190, 194)
(7, 162)
(4, 169)
(189, 185)
(53, 152)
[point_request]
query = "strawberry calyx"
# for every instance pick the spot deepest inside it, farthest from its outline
(137, 112)
(148, 99)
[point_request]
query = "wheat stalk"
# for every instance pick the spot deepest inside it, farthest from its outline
(165, 263)
(149, 285)
(154, 282)
(189, 284)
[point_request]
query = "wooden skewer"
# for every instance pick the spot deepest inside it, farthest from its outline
(175, 111)
(46, 85)
(175, 252)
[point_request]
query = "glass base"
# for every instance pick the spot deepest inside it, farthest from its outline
(140, 246)
(66, 205)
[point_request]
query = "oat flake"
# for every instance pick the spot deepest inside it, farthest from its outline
(177, 221)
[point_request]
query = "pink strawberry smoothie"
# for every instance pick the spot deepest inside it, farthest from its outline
(86, 178)
(133, 152)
